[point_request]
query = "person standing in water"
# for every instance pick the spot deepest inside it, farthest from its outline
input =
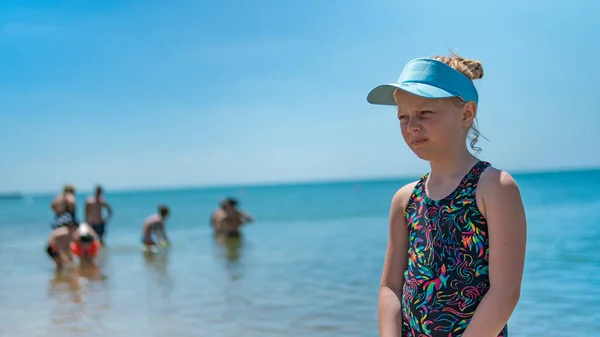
(155, 226)
(228, 218)
(93, 212)
(64, 207)
(58, 244)
(457, 236)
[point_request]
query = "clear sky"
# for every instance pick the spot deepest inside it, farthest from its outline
(173, 93)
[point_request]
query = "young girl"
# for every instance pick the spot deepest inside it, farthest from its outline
(86, 244)
(456, 246)
(155, 226)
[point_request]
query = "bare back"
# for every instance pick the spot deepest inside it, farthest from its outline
(151, 224)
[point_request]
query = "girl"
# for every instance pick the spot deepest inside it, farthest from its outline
(155, 226)
(456, 246)
(86, 244)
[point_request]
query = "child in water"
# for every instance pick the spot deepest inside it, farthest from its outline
(155, 226)
(457, 236)
(58, 246)
(86, 244)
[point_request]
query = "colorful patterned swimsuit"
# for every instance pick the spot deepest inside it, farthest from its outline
(447, 272)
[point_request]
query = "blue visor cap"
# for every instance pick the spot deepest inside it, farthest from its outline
(426, 78)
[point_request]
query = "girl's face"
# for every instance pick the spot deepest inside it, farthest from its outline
(434, 128)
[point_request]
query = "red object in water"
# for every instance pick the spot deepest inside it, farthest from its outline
(91, 250)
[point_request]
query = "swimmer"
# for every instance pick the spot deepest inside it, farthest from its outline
(228, 218)
(86, 244)
(155, 226)
(58, 247)
(64, 207)
(93, 212)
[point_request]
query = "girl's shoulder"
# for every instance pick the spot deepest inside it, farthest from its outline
(402, 196)
(493, 179)
(497, 192)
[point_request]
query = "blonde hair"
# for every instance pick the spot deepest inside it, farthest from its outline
(473, 70)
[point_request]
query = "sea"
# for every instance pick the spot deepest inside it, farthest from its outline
(309, 265)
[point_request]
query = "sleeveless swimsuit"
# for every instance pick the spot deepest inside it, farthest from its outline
(447, 273)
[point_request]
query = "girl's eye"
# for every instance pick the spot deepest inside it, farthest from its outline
(426, 113)
(403, 119)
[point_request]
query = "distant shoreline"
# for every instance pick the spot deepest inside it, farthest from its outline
(297, 183)
(11, 196)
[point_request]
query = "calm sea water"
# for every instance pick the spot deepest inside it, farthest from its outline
(308, 266)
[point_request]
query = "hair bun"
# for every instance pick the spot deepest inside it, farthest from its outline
(475, 68)
(470, 68)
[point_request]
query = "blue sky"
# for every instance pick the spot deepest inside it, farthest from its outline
(175, 93)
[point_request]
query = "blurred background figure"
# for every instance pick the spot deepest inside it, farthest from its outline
(86, 244)
(154, 227)
(64, 207)
(59, 241)
(93, 212)
(228, 219)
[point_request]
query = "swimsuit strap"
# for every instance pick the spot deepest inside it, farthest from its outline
(466, 186)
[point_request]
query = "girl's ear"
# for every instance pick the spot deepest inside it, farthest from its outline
(469, 113)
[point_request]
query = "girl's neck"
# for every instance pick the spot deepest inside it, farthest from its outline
(455, 165)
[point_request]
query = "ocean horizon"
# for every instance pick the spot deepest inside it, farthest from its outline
(283, 183)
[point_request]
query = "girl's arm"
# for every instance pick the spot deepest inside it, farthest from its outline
(396, 261)
(503, 209)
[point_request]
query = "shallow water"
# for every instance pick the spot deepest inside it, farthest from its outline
(309, 265)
